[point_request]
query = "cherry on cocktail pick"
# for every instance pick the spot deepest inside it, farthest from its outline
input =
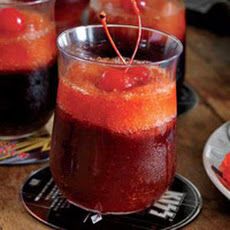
(113, 79)
(122, 79)
(12, 21)
(129, 6)
(119, 80)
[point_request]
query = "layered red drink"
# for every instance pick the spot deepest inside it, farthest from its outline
(28, 70)
(113, 143)
(113, 152)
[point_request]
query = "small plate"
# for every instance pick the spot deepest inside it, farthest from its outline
(217, 146)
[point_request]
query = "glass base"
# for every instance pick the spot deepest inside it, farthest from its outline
(41, 198)
(29, 148)
(44, 127)
(17, 137)
(109, 213)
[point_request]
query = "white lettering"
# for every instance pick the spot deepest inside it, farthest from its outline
(164, 215)
(168, 205)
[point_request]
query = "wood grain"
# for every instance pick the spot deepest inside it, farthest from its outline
(208, 64)
(209, 69)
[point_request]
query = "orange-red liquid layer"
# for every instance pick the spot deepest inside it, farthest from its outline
(139, 108)
(33, 48)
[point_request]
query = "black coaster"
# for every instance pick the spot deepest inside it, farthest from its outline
(187, 99)
(180, 205)
(28, 150)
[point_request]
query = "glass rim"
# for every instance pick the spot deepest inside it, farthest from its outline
(79, 58)
(20, 3)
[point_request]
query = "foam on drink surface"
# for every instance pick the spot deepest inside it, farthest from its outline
(136, 109)
(34, 48)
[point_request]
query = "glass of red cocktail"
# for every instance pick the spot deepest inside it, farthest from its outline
(28, 70)
(113, 143)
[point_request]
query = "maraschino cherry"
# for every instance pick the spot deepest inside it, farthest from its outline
(119, 80)
(128, 5)
(12, 21)
(114, 79)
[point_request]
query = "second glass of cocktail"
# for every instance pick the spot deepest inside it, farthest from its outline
(113, 144)
(28, 69)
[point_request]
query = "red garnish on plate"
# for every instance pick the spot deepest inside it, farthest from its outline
(12, 21)
(225, 169)
(122, 79)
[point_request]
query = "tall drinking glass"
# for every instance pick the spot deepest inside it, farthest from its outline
(113, 143)
(28, 70)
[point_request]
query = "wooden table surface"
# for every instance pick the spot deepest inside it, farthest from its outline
(208, 68)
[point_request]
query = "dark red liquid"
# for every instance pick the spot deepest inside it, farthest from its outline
(68, 13)
(27, 99)
(102, 170)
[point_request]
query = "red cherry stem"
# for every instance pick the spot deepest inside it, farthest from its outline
(104, 24)
(137, 12)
